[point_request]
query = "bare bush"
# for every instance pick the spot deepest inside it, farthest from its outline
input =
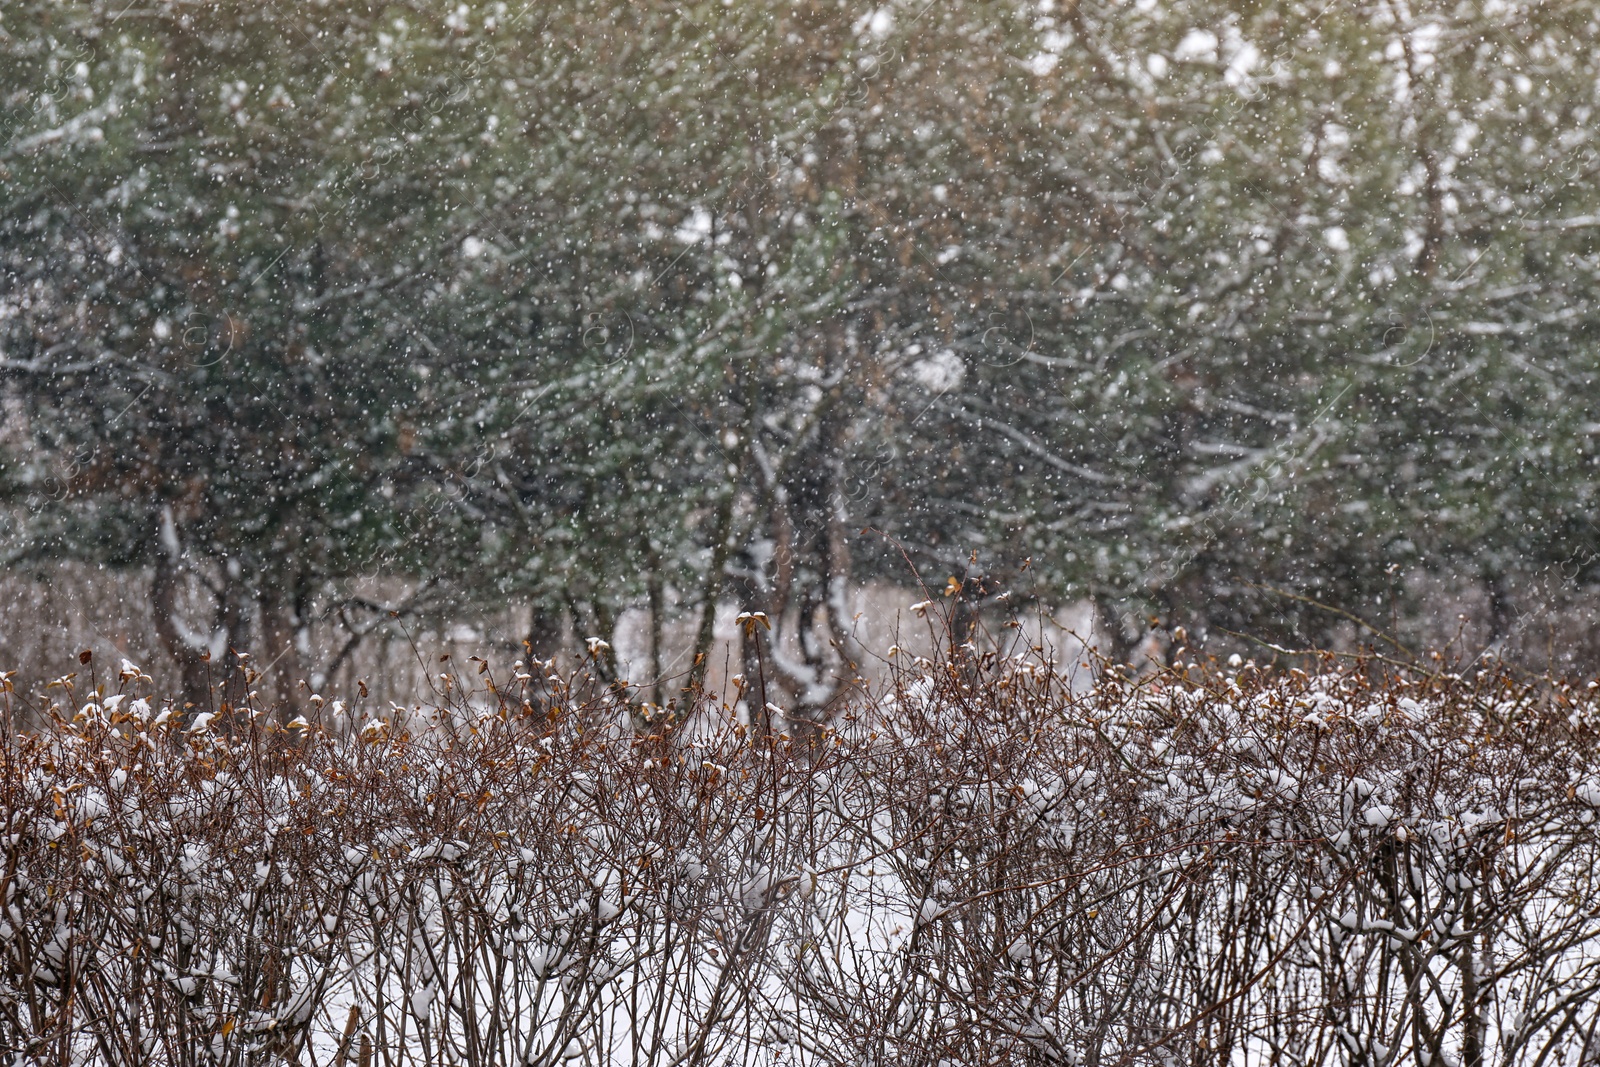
(979, 867)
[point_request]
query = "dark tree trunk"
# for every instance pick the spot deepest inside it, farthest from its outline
(1502, 614)
(753, 647)
(544, 633)
(192, 662)
(711, 591)
(1115, 643)
(237, 606)
(279, 658)
(656, 597)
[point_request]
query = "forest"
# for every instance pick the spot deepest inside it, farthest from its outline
(994, 533)
(323, 325)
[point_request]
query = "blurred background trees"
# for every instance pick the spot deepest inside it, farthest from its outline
(1209, 314)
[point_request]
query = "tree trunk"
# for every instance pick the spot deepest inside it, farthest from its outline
(656, 597)
(237, 604)
(753, 645)
(1114, 642)
(711, 590)
(544, 633)
(192, 662)
(1502, 614)
(279, 659)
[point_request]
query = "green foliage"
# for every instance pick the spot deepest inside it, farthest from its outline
(562, 300)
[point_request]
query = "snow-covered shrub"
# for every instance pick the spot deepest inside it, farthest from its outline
(977, 867)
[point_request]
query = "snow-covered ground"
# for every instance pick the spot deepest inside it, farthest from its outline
(981, 866)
